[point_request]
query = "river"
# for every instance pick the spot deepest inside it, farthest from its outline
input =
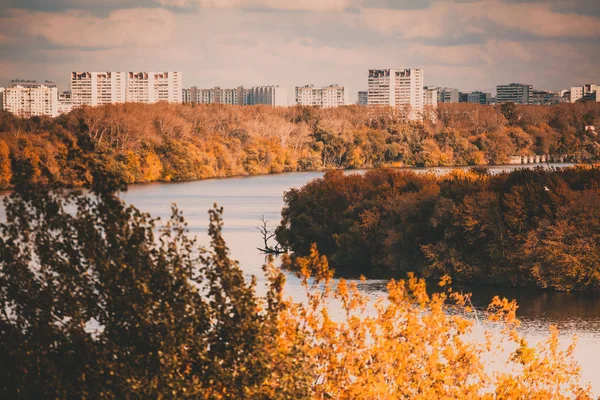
(247, 199)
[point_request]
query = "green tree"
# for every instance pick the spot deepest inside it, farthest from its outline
(96, 303)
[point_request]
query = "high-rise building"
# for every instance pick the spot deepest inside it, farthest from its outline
(430, 96)
(363, 98)
(151, 87)
(448, 95)
(97, 88)
(268, 95)
(31, 99)
(201, 96)
(514, 93)
(398, 88)
(324, 97)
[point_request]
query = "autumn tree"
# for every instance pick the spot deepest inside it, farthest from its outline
(97, 303)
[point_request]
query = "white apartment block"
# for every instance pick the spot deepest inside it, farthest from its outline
(398, 88)
(576, 93)
(430, 96)
(31, 100)
(267, 95)
(97, 88)
(587, 92)
(324, 97)
(65, 102)
(151, 87)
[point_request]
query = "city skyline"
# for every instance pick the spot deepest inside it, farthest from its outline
(472, 45)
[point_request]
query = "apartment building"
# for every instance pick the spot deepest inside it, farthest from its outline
(430, 96)
(576, 93)
(514, 93)
(274, 96)
(448, 95)
(65, 102)
(545, 97)
(29, 99)
(267, 95)
(324, 97)
(151, 87)
(398, 88)
(363, 98)
(587, 92)
(475, 97)
(97, 88)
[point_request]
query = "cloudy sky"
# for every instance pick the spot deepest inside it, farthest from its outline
(469, 44)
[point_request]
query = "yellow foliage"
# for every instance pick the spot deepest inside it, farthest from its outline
(5, 168)
(413, 345)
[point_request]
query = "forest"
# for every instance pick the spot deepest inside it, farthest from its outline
(532, 228)
(177, 142)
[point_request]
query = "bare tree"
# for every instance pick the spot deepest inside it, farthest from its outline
(267, 235)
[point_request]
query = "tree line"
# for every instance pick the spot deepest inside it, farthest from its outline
(176, 142)
(535, 228)
(101, 301)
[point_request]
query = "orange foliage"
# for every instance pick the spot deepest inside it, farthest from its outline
(205, 141)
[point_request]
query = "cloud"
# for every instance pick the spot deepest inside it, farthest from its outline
(79, 29)
(448, 18)
(466, 44)
(289, 5)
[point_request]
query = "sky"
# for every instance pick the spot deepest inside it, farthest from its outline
(469, 44)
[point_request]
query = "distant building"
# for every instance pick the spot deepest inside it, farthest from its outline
(576, 93)
(463, 97)
(274, 96)
(240, 96)
(363, 98)
(448, 95)
(97, 88)
(398, 88)
(592, 96)
(479, 98)
(587, 92)
(324, 97)
(151, 87)
(430, 96)
(65, 102)
(31, 99)
(201, 96)
(31, 83)
(545, 98)
(514, 93)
